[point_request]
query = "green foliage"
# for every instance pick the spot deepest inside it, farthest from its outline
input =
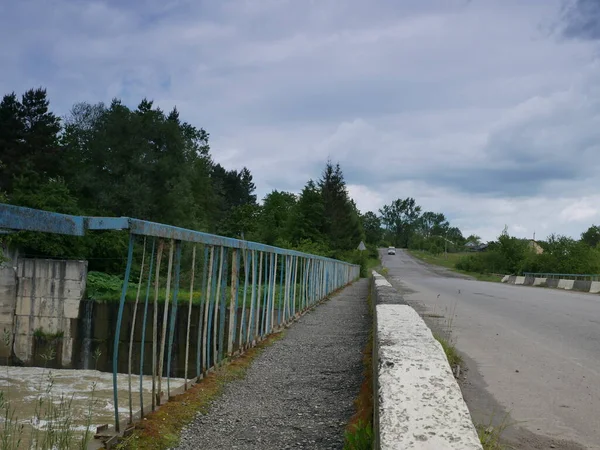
(28, 138)
(511, 255)
(99, 285)
(591, 236)
(360, 437)
(39, 333)
(274, 215)
(454, 359)
(372, 227)
(341, 224)
(400, 219)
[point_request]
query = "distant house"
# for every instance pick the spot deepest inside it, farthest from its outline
(475, 246)
(535, 247)
(471, 245)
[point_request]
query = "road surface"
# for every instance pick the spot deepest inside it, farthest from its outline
(532, 352)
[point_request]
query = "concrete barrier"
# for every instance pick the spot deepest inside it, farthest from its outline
(566, 284)
(592, 287)
(418, 403)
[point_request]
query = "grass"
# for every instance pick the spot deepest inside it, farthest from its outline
(449, 261)
(161, 429)
(105, 288)
(490, 436)
(39, 333)
(359, 431)
(373, 264)
(450, 350)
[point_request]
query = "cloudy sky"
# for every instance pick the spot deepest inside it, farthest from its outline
(488, 111)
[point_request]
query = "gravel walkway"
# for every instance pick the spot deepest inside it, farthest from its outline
(299, 392)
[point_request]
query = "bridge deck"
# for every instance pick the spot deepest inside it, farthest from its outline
(299, 392)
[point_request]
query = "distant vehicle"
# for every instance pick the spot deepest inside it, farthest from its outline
(391, 251)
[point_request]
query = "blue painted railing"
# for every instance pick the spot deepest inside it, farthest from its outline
(258, 288)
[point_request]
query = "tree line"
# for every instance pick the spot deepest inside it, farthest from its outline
(559, 254)
(112, 160)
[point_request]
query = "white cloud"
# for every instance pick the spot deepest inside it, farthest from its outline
(477, 109)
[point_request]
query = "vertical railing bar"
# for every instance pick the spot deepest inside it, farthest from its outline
(266, 288)
(305, 285)
(212, 319)
(216, 308)
(189, 319)
(163, 337)
(258, 298)
(118, 330)
(133, 320)
(142, 350)
(161, 245)
(222, 305)
(232, 301)
(252, 299)
(201, 314)
(208, 313)
(273, 294)
(280, 309)
(242, 335)
(173, 314)
(290, 289)
(297, 260)
(240, 255)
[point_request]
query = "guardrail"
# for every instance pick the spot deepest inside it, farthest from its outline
(247, 291)
(563, 276)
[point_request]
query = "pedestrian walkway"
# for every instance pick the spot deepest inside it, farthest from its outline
(299, 392)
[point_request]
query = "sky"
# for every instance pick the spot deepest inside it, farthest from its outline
(488, 111)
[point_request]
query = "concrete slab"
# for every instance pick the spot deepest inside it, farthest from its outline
(595, 287)
(566, 284)
(519, 280)
(419, 403)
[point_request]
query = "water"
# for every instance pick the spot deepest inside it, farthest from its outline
(24, 386)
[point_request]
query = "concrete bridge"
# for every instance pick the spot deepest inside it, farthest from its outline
(192, 302)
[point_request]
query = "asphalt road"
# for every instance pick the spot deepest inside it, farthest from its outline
(533, 352)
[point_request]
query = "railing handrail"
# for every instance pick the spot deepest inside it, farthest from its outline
(558, 275)
(28, 219)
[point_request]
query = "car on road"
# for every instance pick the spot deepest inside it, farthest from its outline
(391, 250)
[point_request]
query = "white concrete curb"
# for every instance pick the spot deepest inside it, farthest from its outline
(592, 287)
(419, 404)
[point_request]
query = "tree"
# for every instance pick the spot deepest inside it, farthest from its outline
(372, 227)
(28, 139)
(591, 236)
(399, 218)
(274, 215)
(139, 163)
(306, 218)
(474, 239)
(341, 224)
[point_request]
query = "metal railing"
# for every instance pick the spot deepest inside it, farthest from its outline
(247, 290)
(564, 276)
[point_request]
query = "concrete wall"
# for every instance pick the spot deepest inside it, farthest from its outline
(8, 297)
(48, 296)
(418, 403)
(575, 285)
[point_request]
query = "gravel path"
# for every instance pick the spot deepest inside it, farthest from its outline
(299, 392)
